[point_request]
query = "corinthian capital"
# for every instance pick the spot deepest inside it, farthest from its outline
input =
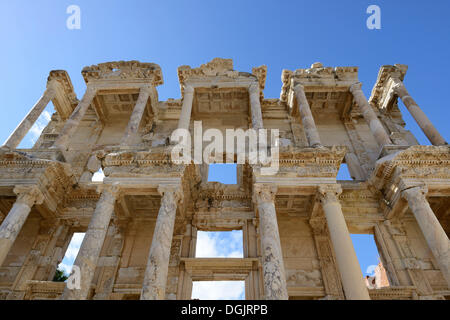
(264, 193)
(415, 192)
(329, 193)
(188, 90)
(171, 191)
(254, 88)
(299, 88)
(29, 195)
(356, 87)
(399, 88)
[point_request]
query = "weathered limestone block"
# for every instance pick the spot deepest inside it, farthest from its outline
(275, 287)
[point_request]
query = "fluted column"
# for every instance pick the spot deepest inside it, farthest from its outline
(422, 120)
(75, 118)
(91, 246)
(22, 129)
(349, 268)
(14, 221)
(432, 230)
(136, 116)
(307, 118)
(275, 287)
(155, 280)
(369, 115)
(255, 106)
(186, 109)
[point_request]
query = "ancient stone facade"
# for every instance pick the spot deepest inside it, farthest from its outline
(141, 222)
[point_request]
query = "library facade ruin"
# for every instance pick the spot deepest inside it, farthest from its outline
(141, 221)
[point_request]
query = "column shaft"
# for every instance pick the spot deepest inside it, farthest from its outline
(307, 119)
(154, 286)
(255, 107)
(16, 218)
(349, 268)
(186, 109)
(74, 119)
(432, 230)
(369, 115)
(136, 116)
(275, 287)
(91, 246)
(22, 129)
(422, 120)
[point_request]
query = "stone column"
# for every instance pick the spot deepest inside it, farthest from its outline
(422, 120)
(154, 286)
(136, 116)
(22, 129)
(349, 269)
(307, 119)
(74, 120)
(255, 107)
(274, 274)
(14, 221)
(369, 115)
(186, 109)
(91, 246)
(432, 230)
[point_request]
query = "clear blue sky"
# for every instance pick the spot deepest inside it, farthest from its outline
(280, 34)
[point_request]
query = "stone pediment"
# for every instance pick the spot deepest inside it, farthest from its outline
(124, 70)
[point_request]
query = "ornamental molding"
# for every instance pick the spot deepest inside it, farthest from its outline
(222, 69)
(317, 75)
(63, 79)
(219, 191)
(417, 163)
(382, 93)
(124, 70)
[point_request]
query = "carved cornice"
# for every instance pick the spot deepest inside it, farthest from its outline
(317, 75)
(124, 70)
(219, 191)
(382, 94)
(295, 156)
(141, 158)
(62, 77)
(416, 162)
(222, 68)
